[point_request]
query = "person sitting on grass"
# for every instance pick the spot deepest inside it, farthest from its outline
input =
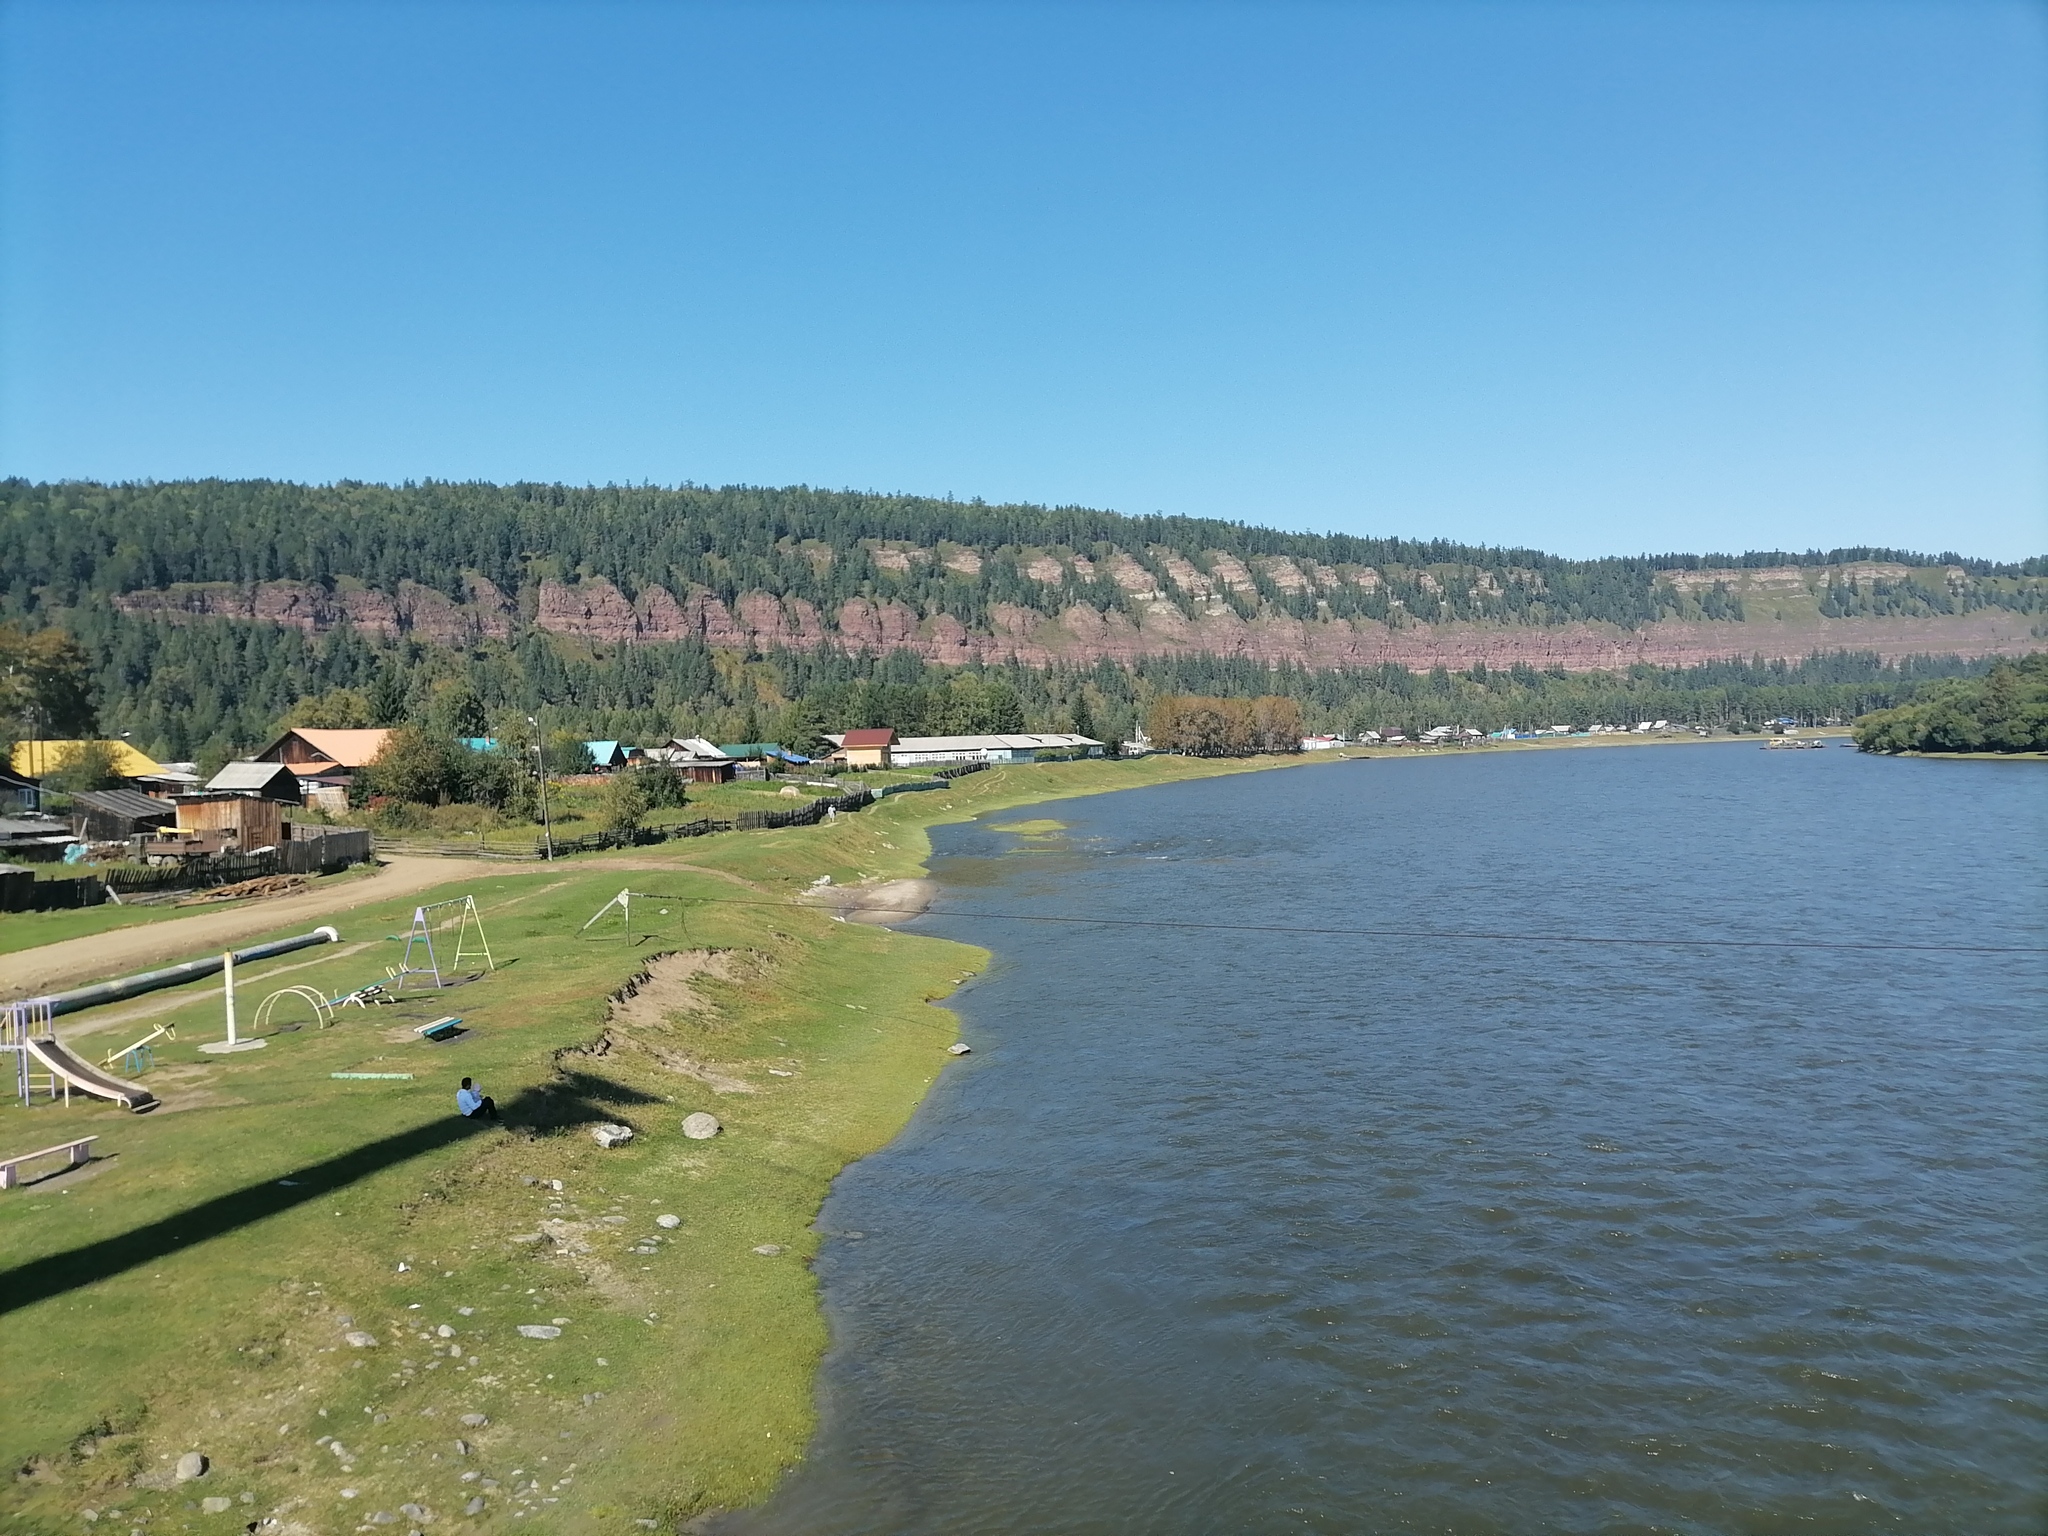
(474, 1103)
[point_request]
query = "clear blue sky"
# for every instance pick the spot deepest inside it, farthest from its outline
(1598, 278)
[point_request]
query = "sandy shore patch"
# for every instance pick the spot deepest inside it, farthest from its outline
(882, 902)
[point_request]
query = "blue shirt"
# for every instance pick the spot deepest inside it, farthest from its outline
(469, 1100)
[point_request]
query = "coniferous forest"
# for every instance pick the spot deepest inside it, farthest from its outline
(127, 610)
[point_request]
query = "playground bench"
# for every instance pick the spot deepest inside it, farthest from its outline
(439, 1029)
(79, 1150)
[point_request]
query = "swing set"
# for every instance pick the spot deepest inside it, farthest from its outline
(470, 942)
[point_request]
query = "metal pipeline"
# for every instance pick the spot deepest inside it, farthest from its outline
(171, 975)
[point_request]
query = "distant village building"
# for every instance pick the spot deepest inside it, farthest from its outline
(761, 752)
(39, 759)
(265, 781)
(245, 822)
(1321, 743)
(115, 815)
(695, 758)
(19, 794)
(33, 839)
(1016, 747)
(610, 756)
(869, 747)
(326, 761)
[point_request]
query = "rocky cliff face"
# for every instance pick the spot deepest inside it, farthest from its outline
(597, 611)
(416, 610)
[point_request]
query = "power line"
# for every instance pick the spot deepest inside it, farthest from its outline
(1461, 935)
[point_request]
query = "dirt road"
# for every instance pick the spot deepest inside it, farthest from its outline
(124, 950)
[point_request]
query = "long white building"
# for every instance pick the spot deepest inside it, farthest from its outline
(932, 751)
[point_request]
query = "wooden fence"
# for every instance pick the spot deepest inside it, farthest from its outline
(804, 815)
(322, 852)
(592, 842)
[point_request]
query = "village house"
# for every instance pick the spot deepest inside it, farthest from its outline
(266, 781)
(115, 815)
(695, 758)
(19, 794)
(869, 747)
(36, 760)
(325, 761)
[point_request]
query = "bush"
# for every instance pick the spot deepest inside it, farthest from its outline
(664, 785)
(625, 803)
(90, 765)
(417, 767)
(1209, 727)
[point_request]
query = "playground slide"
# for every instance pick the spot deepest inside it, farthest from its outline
(89, 1079)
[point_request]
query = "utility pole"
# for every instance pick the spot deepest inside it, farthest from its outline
(540, 760)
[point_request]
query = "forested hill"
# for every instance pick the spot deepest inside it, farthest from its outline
(761, 570)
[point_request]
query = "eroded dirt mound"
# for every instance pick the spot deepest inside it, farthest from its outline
(643, 1012)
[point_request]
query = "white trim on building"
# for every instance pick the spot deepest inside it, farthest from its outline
(932, 751)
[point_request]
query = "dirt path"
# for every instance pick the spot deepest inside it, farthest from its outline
(121, 951)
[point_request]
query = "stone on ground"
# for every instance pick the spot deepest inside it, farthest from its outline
(539, 1331)
(701, 1127)
(219, 1504)
(668, 1223)
(609, 1136)
(190, 1465)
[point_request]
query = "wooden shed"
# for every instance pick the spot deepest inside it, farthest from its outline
(268, 781)
(255, 823)
(113, 815)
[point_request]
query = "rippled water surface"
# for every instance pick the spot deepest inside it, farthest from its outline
(1294, 1230)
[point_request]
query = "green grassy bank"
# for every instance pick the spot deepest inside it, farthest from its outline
(193, 1290)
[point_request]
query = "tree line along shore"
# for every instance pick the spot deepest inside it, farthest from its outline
(210, 692)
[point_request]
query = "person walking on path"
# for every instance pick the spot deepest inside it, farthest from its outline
(474, 1103)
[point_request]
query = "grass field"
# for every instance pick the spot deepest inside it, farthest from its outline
(193, 1289)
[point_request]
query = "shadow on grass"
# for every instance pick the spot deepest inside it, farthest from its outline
(574, 1099)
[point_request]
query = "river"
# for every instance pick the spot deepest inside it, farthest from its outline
(1265, 1225)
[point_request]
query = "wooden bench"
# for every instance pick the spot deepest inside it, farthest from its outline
(79, 1150)
(439, 1029)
